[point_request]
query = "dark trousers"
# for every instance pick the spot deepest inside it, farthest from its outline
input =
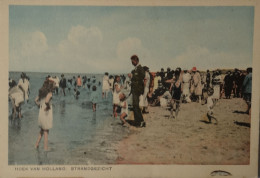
(137, 111)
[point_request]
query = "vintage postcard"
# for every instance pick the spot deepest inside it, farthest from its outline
(129, 88)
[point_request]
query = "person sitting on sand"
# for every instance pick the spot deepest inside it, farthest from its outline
(210, 105)
(124, 109)
(94, 98)
(45, 118)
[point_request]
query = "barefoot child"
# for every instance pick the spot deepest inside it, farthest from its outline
(94, 98)
(124, 108)
(76, 93)
(210, 105)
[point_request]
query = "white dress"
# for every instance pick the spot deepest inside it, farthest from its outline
(16, 94)
(186, 84)
(124, 110)
(25, 85)
(216, 88)
(143, 98)
(116, 94)
(105, 86)
(45, 117)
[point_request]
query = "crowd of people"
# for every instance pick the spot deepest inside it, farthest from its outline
(138, 90)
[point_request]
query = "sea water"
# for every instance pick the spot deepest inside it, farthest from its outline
(74, 123)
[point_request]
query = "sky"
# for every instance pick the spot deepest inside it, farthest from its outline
(98, 39)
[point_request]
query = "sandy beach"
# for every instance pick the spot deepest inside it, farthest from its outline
(189, 140)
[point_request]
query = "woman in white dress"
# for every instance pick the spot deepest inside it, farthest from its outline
(16, 95)
(143, 98)
(105, 86)
(43, 100)
(24, 85)
(186, 78)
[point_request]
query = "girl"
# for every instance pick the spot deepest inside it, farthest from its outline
(94, 98)
(116, 91)
(176, 92)
(105, 86)
(124, 108)
(43, 100)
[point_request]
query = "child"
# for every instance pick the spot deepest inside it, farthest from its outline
(116, 90)
(124, 108)
(76, 93)
(94, 98)
(210, 105)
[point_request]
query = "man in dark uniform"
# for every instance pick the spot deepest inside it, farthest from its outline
(137, 89)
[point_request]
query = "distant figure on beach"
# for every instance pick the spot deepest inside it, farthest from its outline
(186, 78)
(137, 89)
(70, 86)
(247, 89)
(79, 82)
(196, 87)
(84, 81)
(157, 78)
(116, 90)
(124, 108)
(45, 118)
(88, 83)
(76, 93)
(210, 105)
(74, 81)
(24, 85)
(16, 96)
(63, 84)
(56, 82)
(208, 79)
(176, 92)
(94, 98)
(216, 77)
(228, 85)
(111, 82)
(105, 86)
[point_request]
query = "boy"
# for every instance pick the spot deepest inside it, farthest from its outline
(210, 105)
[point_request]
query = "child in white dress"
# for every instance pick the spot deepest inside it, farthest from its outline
(94, 98)
(116, 91)
(210, 105)
(124, 108)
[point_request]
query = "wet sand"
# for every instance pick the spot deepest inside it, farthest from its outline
(98, 139)
(188, 139)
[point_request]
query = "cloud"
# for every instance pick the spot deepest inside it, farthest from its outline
(129, 46)
(82, 43)
(34, 45)
(203, 59)
(28, 52)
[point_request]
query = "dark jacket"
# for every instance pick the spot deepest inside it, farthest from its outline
(137, 81)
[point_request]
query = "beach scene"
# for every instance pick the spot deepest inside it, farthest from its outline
(111, 85)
